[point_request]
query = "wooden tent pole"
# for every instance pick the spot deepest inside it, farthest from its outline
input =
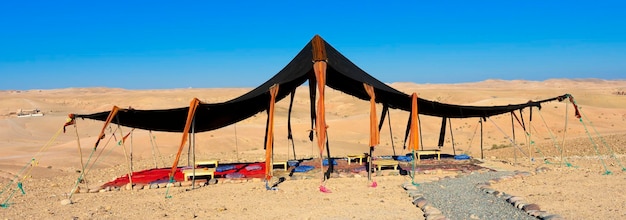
(192, 145)
(130, 167)
(319, 67)
(131, 150)
(482, 156)
(152, 148)
(236, 143)
(452, 136)
(514, 142)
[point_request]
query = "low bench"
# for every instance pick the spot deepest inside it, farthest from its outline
(428, 152)
(385, 163)
(199, 172)
(207, 163)
(356, 156)
(283, 164)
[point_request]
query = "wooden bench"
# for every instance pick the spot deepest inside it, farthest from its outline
(199, 172)
(356, 156)
(283, 164)
(207, 163)
(428, 152)
(385, 163)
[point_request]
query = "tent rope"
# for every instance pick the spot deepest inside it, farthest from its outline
(81, 176)
(32, 163)
(471, 139)
(535, 145)
(606, 145)
(595, 147)
(413, 173)
(508, 137)
(564, 135)
(553, 138)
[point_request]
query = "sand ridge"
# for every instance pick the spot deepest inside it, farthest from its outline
(21, 138)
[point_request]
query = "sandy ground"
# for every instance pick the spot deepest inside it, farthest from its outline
(581, 192)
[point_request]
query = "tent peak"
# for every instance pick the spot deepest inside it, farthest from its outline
(319, 49)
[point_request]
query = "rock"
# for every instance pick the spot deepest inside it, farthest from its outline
(409, 186)
(414, 193)
(154, 186)
(429, 210)
(435, 217)
(128, 186)
(473, 216)
(186, 183)
(66, 202)
(212, 181)
(536, 213)
(552, 217)
(163, 185)
(514, 199)
(420, 202)
(531, 207)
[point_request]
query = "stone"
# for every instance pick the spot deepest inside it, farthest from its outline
(514, 199)
(535, 213)
(531, 207)
(429, 210)
(435, 217)
(414, 193)
(186, 183)
(409, 186)
(66, 202)
(552, 217)
(128, 186)
(212, 181)
(420, 202)
(473, 216)
(162, 185)
(154, 186)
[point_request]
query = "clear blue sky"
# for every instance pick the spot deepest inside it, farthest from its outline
(180, 44)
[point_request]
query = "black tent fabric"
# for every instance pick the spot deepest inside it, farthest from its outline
(342, 75)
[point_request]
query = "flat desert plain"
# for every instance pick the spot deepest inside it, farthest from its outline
(591, 188)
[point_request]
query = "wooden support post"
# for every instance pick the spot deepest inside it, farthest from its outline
(482, 156)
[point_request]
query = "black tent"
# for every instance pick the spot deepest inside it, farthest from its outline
(342, 75)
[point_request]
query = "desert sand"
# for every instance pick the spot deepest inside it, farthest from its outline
(585, 190)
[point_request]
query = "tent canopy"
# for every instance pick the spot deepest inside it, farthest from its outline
(342, 75)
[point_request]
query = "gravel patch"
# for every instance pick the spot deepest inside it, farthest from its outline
(459, 198)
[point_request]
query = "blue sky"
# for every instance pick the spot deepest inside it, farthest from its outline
(206, 44)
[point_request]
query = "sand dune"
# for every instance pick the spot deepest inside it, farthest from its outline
(21, 138)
